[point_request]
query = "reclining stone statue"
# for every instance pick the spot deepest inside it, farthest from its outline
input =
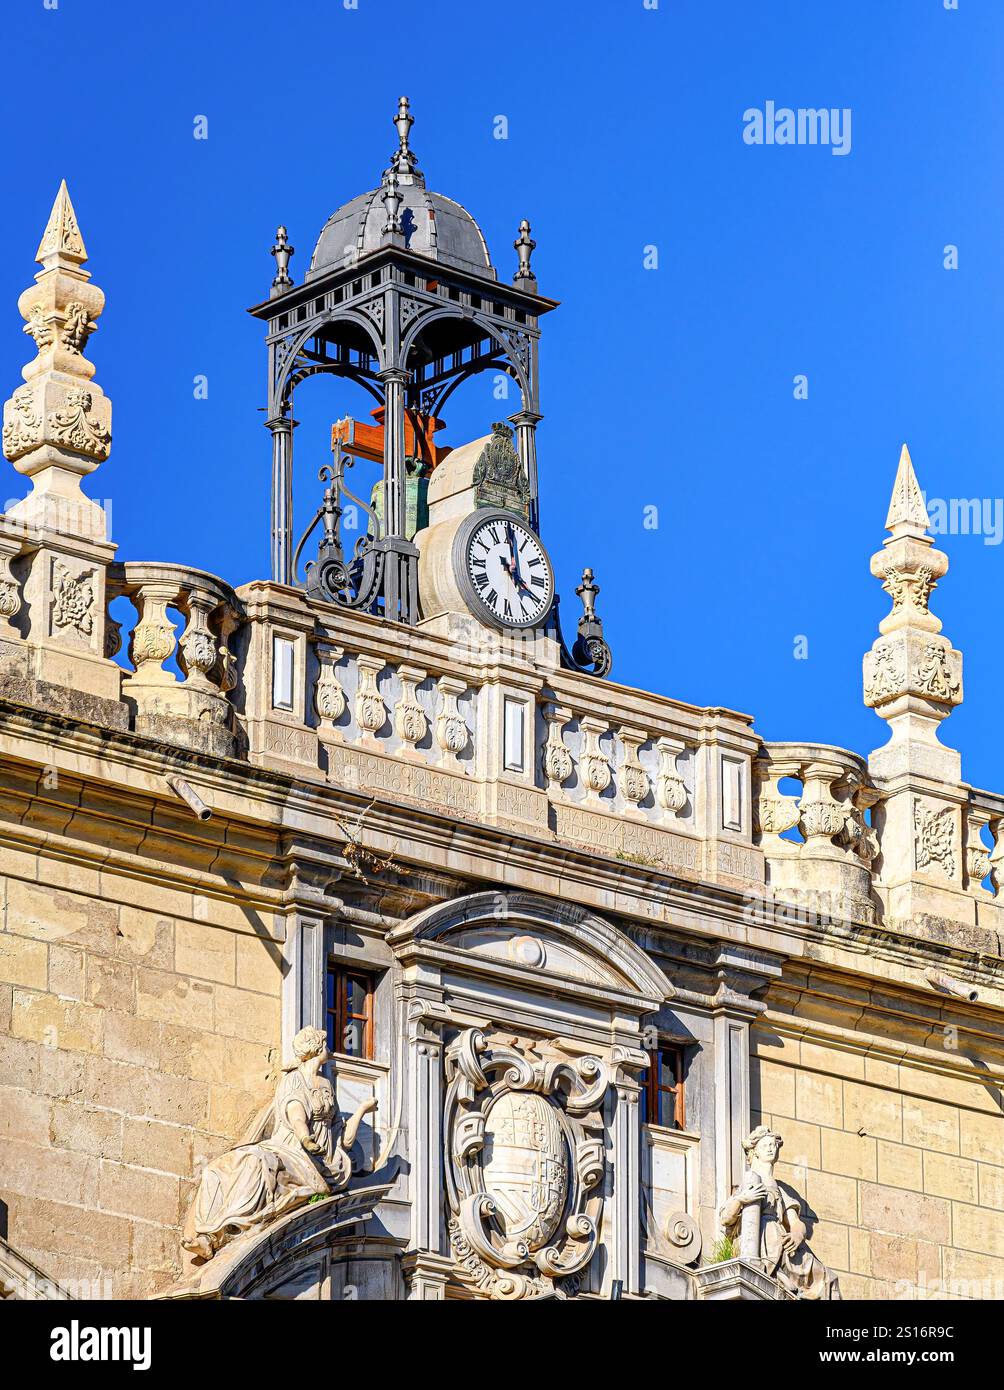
(765, 1218)
(295, 1149)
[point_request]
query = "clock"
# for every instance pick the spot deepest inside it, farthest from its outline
(502, 570)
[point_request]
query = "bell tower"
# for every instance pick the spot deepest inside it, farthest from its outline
(401, 297)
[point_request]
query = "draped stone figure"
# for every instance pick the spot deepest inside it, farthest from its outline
(297, 1148)
(765, 1218)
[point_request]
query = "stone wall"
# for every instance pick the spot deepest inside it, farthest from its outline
(139, 1030)
(900, 1159)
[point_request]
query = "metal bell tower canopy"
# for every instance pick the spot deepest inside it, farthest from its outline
(401, 297)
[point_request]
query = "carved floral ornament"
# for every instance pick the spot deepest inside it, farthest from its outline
(22, 426)
(934, 837)
(73, 325)
(909, 588)
(73, 426)
(635, 783)
(524, 1150)
(934, 673)
(329, 696)
(72, 599)
(410, 720)
(556, 759)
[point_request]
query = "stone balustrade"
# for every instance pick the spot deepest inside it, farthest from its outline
(984, 863)
(817, 835)
(817, 803)
(503, 736)
(196, 710)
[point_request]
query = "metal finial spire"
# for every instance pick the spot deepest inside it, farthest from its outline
(525, 246)
(392, 201)
(587, 592)
(282, 250)
(403, 161)
(590, 650)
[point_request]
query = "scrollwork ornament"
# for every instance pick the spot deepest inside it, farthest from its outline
(684, 1236)
(935, 676)
(73, 426)
(526, 1162)
(22, 427)
(10, 598)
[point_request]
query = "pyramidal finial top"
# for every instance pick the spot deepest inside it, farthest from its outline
(907, 509)
(61, 241)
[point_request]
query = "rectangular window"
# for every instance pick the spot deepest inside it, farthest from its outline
(349, 1011)
(663, 1099)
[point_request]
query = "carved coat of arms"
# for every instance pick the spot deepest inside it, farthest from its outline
(499, 480)
(524, 1164)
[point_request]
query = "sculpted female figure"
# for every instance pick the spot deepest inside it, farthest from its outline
(782, 1248)
(299, 1148)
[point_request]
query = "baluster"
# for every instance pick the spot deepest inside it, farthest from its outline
(152, 640)
(821, 817)
(594, 767)
(451, 727)
(371, 712)
(556, 760)
(329, 697)
(634, 780)
(670, 788)
(410, 720)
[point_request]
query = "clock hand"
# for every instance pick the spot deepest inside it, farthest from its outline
(514, 554)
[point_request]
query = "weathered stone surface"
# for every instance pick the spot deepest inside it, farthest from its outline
(898, 1212)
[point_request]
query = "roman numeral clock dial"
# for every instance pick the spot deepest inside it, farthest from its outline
(503, 570)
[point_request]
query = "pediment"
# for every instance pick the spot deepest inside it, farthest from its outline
(538, 936)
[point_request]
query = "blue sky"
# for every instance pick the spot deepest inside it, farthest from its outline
(670, 388)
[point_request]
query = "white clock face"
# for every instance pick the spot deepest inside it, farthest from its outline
(509, 571)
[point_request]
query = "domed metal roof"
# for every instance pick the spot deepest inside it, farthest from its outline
(430, 224)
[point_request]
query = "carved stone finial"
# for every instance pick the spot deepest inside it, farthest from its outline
(525, 246)
(57, 426)
(907, 510)
(282, 251)
(912, 675)
(61, 244)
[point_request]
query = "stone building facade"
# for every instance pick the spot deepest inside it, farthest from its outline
(363, 939)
